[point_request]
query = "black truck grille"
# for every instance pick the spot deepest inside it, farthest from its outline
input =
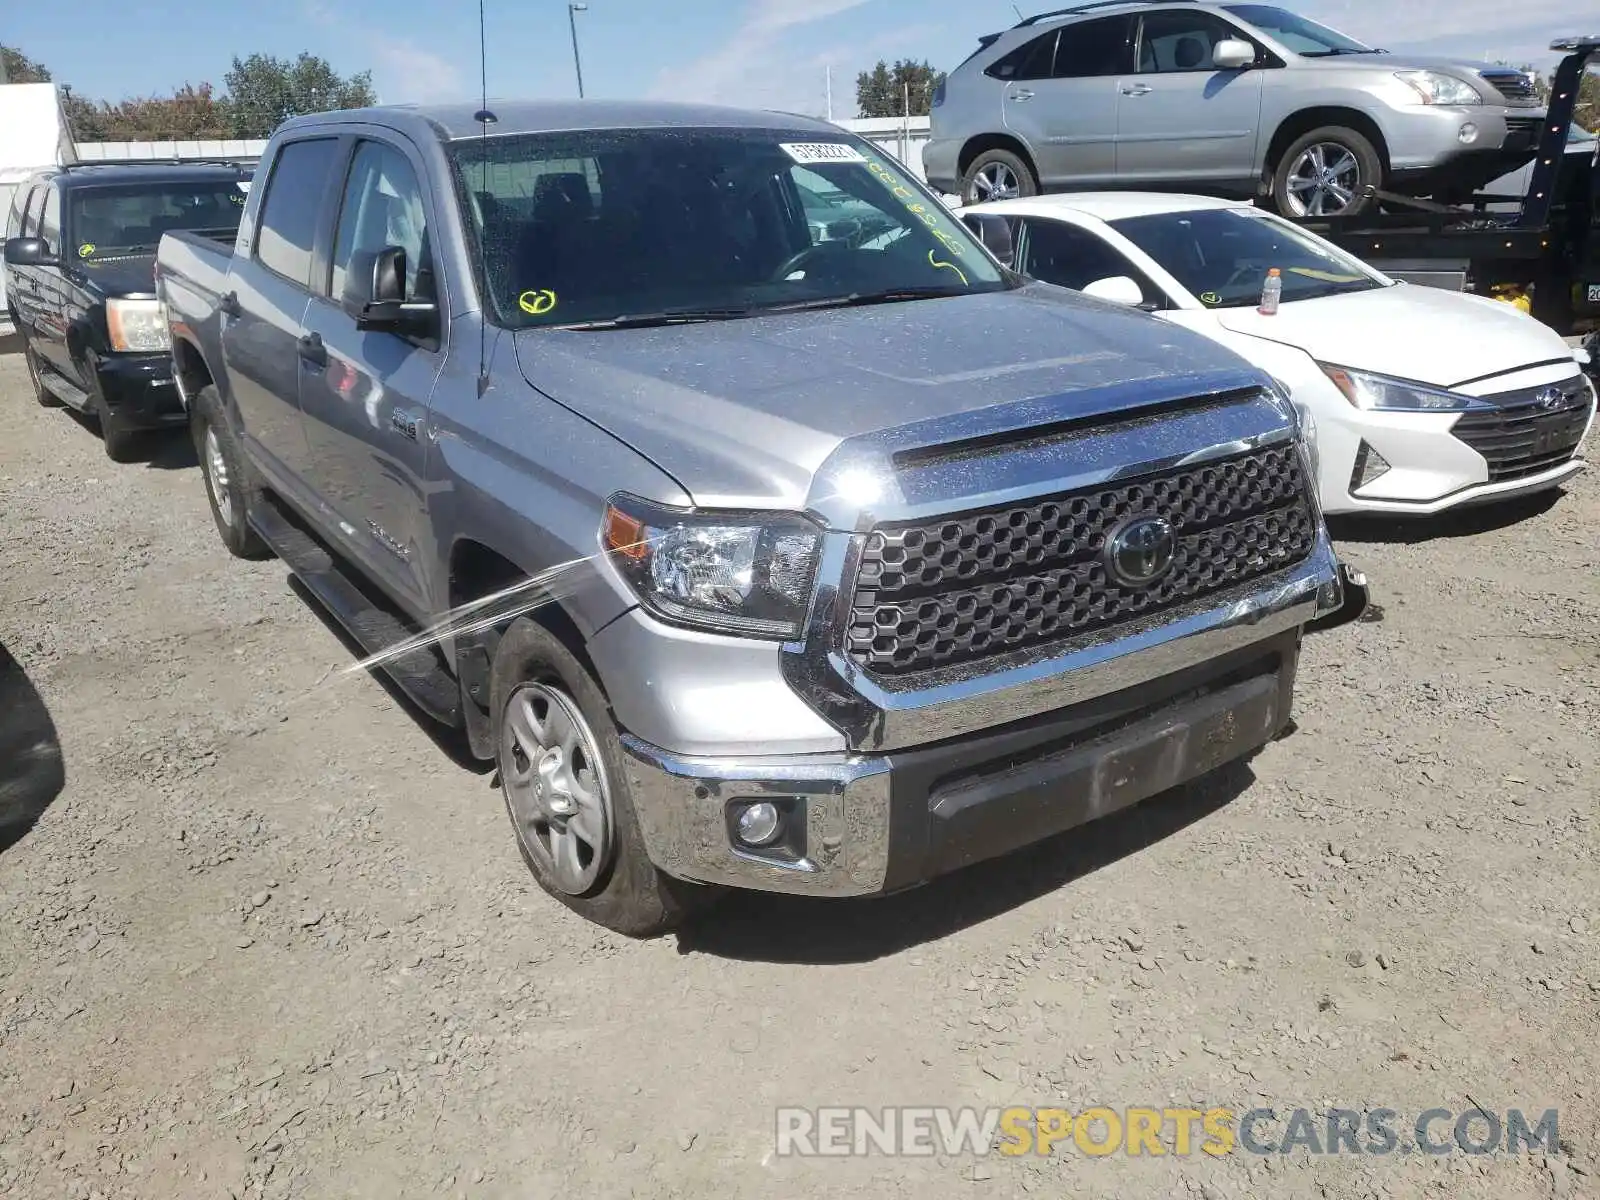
(968, 587)
(1531, 430)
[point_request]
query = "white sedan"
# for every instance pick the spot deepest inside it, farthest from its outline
(1420, 399)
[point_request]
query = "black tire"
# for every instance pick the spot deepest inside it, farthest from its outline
(999, 164)
(122, 445)
(235, 482)
(31, 361)
(1368, 170)
(629, 895)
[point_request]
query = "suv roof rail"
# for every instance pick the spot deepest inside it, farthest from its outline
(81, 164)
(1081, 8)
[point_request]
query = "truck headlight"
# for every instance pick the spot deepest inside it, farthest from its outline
(1435, 87)
(137, 325)
(1366, 390)
(733, 572)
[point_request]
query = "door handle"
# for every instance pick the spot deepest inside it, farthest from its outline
(1021, 94)
(312, 350)
(1136, 89)
(228, 302)
(406, 422)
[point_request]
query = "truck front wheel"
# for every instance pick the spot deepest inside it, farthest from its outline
(561, 770)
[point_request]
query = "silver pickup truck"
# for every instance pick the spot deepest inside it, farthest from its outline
(734, 499)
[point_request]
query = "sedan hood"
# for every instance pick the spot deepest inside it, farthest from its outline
(747, 410)
(1424, 334)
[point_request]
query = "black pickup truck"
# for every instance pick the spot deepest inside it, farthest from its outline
(80, 283)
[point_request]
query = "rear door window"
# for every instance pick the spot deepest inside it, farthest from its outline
(1034, 60)
(1093, 48)
(292, 205)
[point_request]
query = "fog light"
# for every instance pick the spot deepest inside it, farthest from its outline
(759, 823)
(1370, 465)
(1468, 134)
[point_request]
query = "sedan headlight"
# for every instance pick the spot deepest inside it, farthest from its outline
(1366, 390)
(137, 325)
(733, 572)
(1436, 87)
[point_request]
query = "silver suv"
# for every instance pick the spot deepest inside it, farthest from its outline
(1239, 99)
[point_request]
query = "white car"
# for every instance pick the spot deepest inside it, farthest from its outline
(1420, 399)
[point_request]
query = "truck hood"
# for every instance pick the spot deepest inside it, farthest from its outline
(1424, 334)
(746, 411)
(133, 275)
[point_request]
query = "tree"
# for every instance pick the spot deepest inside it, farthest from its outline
(19, 68)
(264, 91)
(883, 91)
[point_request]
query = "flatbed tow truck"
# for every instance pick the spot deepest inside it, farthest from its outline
(1545, 253)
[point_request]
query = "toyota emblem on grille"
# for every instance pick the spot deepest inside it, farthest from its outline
(1549, 399)
(1140, 551)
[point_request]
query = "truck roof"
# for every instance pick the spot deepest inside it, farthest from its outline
(452, 122)
(83, 175)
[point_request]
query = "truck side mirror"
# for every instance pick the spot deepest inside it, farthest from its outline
(28, 252)
(381, 306)
(994, 231)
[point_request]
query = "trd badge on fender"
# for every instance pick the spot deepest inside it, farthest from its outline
(1140, 551)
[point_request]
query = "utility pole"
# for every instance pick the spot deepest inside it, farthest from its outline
(830, 90)
(572, 19)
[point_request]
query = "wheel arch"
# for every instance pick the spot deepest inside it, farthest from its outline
(1302, 122)
(985, 142)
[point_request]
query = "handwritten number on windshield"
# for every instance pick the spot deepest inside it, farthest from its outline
(906, 196)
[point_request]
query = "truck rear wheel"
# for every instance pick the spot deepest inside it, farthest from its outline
(229, 482)
(1325, 172)
(561, 770)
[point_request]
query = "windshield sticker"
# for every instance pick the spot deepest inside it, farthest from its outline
(537, 303)
(915, 207)
(1210, 298)
(948, 266)
(822, 152)
(85, 250)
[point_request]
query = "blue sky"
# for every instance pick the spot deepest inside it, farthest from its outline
(771, 53)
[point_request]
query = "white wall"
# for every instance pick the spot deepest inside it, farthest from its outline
(92, 151)
(904, 138)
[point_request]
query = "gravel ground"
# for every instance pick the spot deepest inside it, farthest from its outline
(272, 936)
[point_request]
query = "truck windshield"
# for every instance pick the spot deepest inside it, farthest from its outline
(130, 218)
(1222, 256)
(599, 226)
(1305, 38)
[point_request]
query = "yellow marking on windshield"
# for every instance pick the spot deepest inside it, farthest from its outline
(916, 208)
(948, 266)
(1210, 298)
(85, 250)
(537, 303)
(1325, 276)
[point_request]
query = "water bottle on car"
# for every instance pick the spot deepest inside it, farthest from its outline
(1272, 292)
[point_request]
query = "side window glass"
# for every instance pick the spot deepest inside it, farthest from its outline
(1181, 40)
(30, 215)
(382, 207)
(288, 222)
(1035, 60)
(1074, 258)
(1094, 48)
(50, 222)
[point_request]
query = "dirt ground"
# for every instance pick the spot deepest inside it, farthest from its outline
(270, 936)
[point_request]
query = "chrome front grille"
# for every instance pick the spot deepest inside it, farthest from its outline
(969, 587)
(1513, 85)
(1529, 430)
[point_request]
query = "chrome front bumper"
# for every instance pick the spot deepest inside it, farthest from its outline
(1137, 715)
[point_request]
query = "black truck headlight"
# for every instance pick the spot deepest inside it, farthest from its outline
(748, 573)
(137, 325)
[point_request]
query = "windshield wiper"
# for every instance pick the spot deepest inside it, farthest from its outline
(862, 299)
(684, 316)
(1333, 50)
